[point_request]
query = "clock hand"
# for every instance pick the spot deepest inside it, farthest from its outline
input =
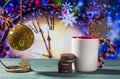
(48, 20)
(35, 27)
(49, 44)
(49, 41)
(41, 32)
(32, 28)
(52, 22)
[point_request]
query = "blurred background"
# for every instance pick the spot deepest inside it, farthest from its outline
(59, 21)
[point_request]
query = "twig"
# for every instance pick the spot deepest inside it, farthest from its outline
(4, 5)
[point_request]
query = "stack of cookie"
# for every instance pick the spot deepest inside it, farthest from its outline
(65, 63)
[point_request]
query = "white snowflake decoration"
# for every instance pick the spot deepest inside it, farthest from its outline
(67, 6)
(68, 18)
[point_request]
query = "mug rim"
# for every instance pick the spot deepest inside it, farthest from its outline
(85, 37)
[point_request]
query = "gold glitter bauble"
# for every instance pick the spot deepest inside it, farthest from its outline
(20, 37)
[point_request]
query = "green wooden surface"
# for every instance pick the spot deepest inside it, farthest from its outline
(47, 69)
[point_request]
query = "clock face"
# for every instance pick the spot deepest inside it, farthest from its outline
(48, 42)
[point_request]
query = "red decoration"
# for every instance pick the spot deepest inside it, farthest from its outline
(113, 46)
(30, 4)
(48, 1)
(104, 56)
(7, 48)
(37, 2)
(101, 41)
(21, 6)
(3, 54)
(108, 40)
(1, 45)
(110, 51)
(12, 9)
(101, 59)
(56, 6)
(100, 66)
(84, 37)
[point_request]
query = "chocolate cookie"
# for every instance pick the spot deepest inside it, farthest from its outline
(65, 63)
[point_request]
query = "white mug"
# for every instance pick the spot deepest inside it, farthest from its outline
(85, 49)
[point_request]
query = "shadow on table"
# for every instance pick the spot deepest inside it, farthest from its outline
(99, 71)
(56, 74)
(102, 71)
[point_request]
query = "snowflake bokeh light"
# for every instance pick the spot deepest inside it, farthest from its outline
(79, 4)
(68, 18)
(67, 6)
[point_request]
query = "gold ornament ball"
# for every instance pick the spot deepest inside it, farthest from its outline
(20, 37)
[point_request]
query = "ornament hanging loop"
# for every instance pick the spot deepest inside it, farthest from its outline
(21, 11)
